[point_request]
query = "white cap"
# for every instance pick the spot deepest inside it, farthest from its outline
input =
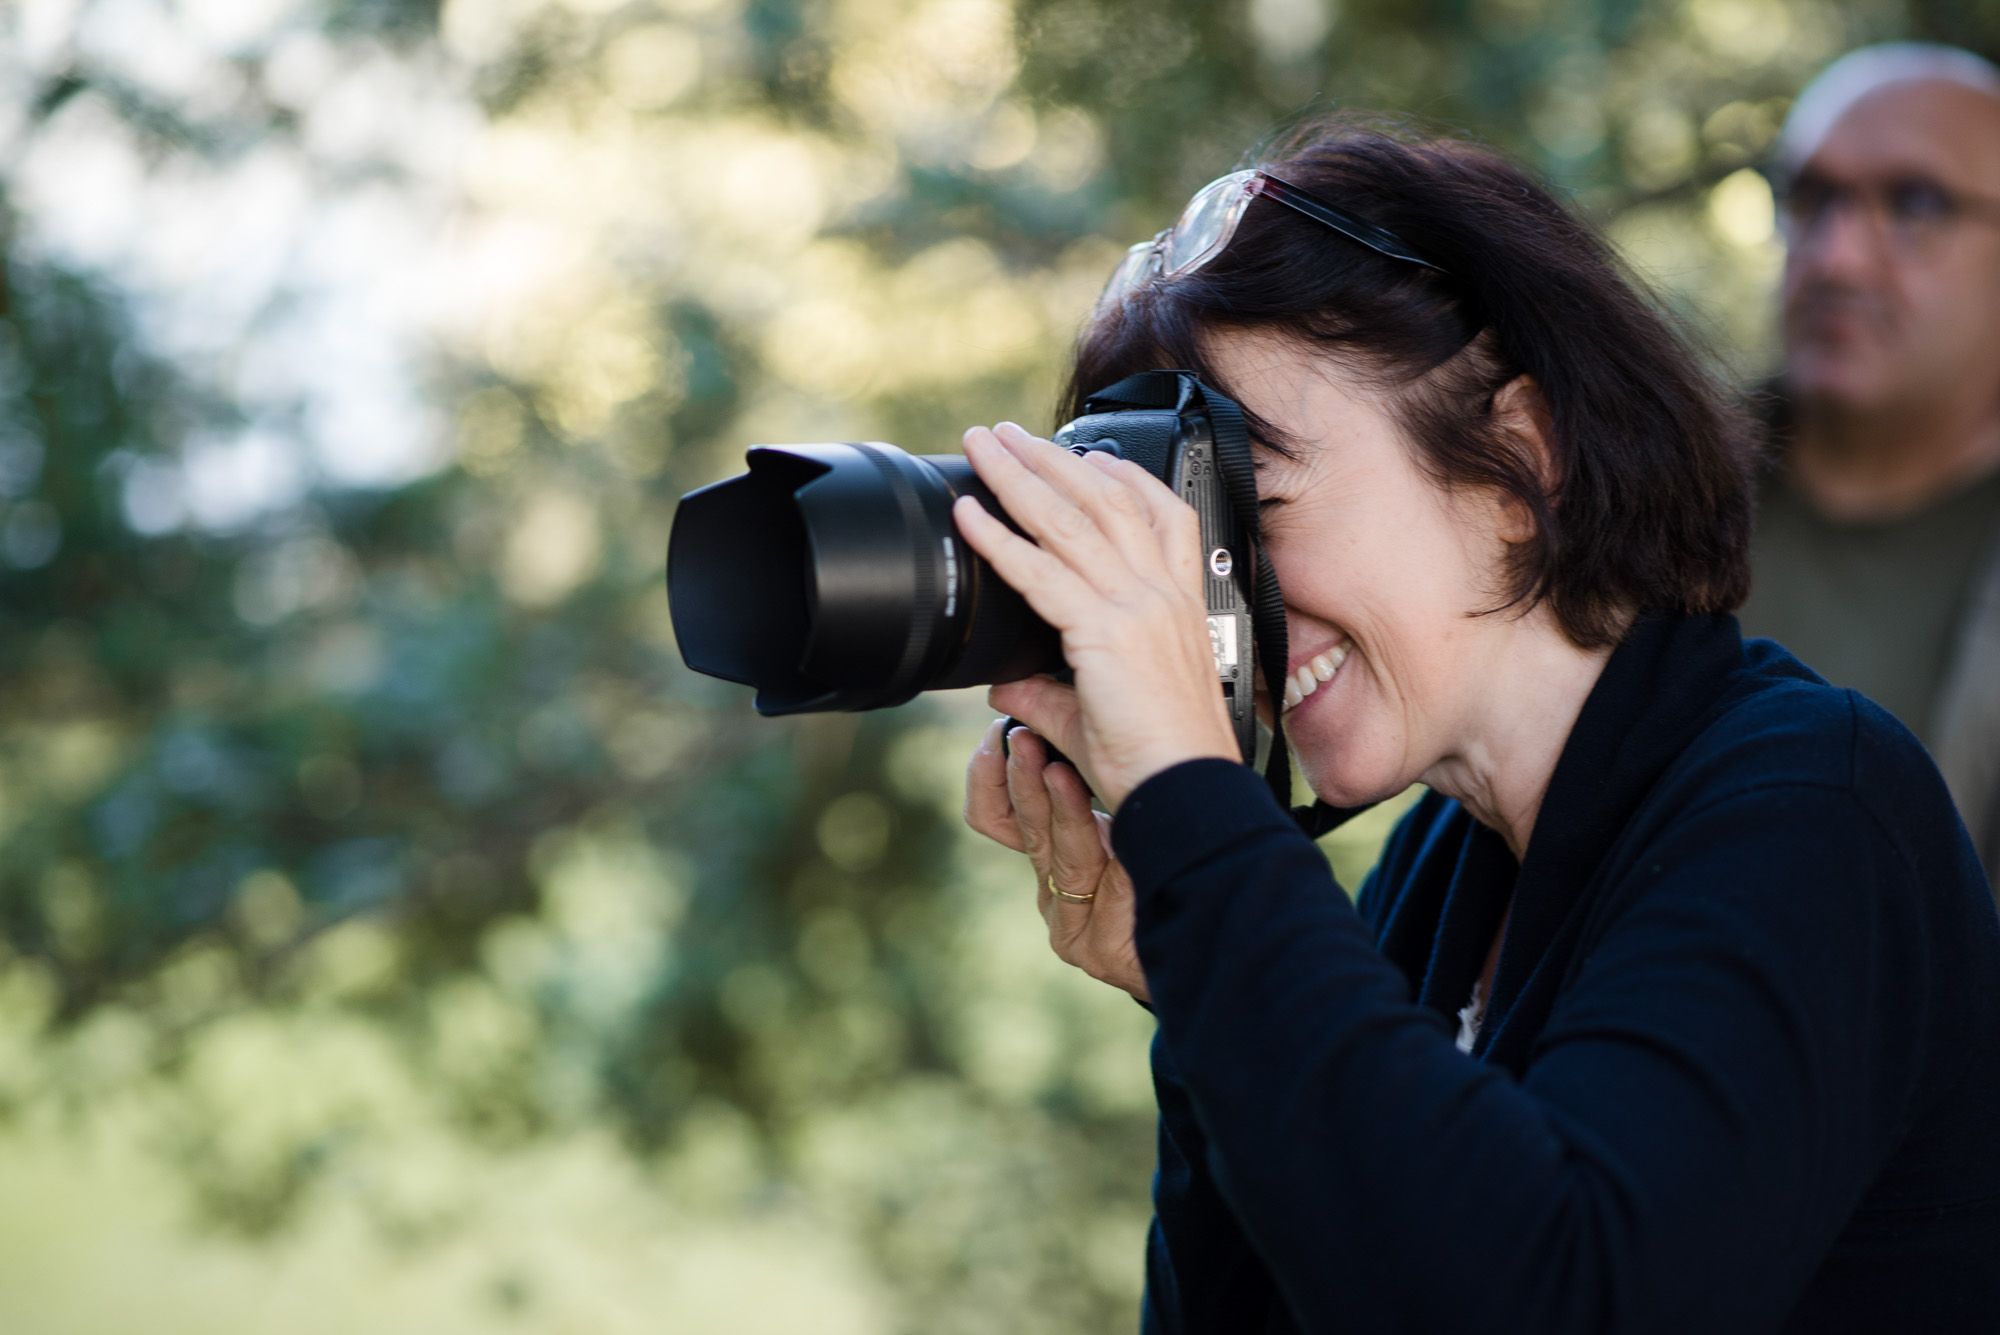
(1858, 73)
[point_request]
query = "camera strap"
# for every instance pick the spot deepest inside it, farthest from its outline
(1180, 390)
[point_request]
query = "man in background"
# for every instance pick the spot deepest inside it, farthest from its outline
(1877, 557)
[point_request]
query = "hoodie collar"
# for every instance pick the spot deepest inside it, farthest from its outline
(1656, 692)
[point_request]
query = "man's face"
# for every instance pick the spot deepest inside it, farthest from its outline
(1892, 281)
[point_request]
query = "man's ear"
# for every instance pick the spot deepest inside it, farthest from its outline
(1521, 415)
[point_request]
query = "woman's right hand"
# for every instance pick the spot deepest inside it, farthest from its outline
(1018, 799)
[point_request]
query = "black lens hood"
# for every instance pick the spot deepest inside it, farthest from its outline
(827, 576)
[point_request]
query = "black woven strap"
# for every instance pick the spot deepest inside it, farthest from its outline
(1180, 390)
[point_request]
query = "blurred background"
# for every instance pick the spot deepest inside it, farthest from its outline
(393, 934)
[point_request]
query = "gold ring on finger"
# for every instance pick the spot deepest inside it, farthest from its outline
(1074, 899)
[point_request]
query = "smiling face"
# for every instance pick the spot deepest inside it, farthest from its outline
(1376, 558)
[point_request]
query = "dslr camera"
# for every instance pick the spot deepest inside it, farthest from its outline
(831, 577)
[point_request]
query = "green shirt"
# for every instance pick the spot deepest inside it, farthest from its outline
(1874, 606)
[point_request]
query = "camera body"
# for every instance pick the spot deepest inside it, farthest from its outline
(831, 576)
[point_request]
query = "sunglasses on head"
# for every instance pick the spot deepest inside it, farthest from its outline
(1210, 220)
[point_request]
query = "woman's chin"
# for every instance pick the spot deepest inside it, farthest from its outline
(1348, 781)
(1352, 795)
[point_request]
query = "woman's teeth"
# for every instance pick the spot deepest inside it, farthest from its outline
(1319, 668)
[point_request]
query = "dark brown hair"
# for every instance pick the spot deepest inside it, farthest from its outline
(1645, 501)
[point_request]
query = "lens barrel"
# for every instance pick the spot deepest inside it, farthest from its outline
(831, 577)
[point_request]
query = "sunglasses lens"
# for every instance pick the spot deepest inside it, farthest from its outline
(1207, 224)
(1131, 273)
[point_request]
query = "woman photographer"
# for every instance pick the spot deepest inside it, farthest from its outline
(1672, 1005)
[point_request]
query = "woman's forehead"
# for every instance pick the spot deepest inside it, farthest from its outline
(1282, 379)
(1312, 408)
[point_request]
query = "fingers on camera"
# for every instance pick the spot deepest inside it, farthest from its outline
(1026, 759)
(989, 808)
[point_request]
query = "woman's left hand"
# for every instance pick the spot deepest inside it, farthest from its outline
(1022, 801)
(1116, 567)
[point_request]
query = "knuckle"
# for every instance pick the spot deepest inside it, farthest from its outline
(1069, 522)
(1123, 501)
(1065, 875)
(1045, 568)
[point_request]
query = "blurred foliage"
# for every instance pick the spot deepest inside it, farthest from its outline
(366, 854)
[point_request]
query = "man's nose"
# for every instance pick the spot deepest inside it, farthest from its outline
(1842, 242)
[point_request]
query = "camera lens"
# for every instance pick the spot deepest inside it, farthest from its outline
(832, 577)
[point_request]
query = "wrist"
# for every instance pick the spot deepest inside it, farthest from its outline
(1158, 761)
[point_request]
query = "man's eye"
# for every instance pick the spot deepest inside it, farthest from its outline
(1920, 201)
(1807, 200)
(1266, 502)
